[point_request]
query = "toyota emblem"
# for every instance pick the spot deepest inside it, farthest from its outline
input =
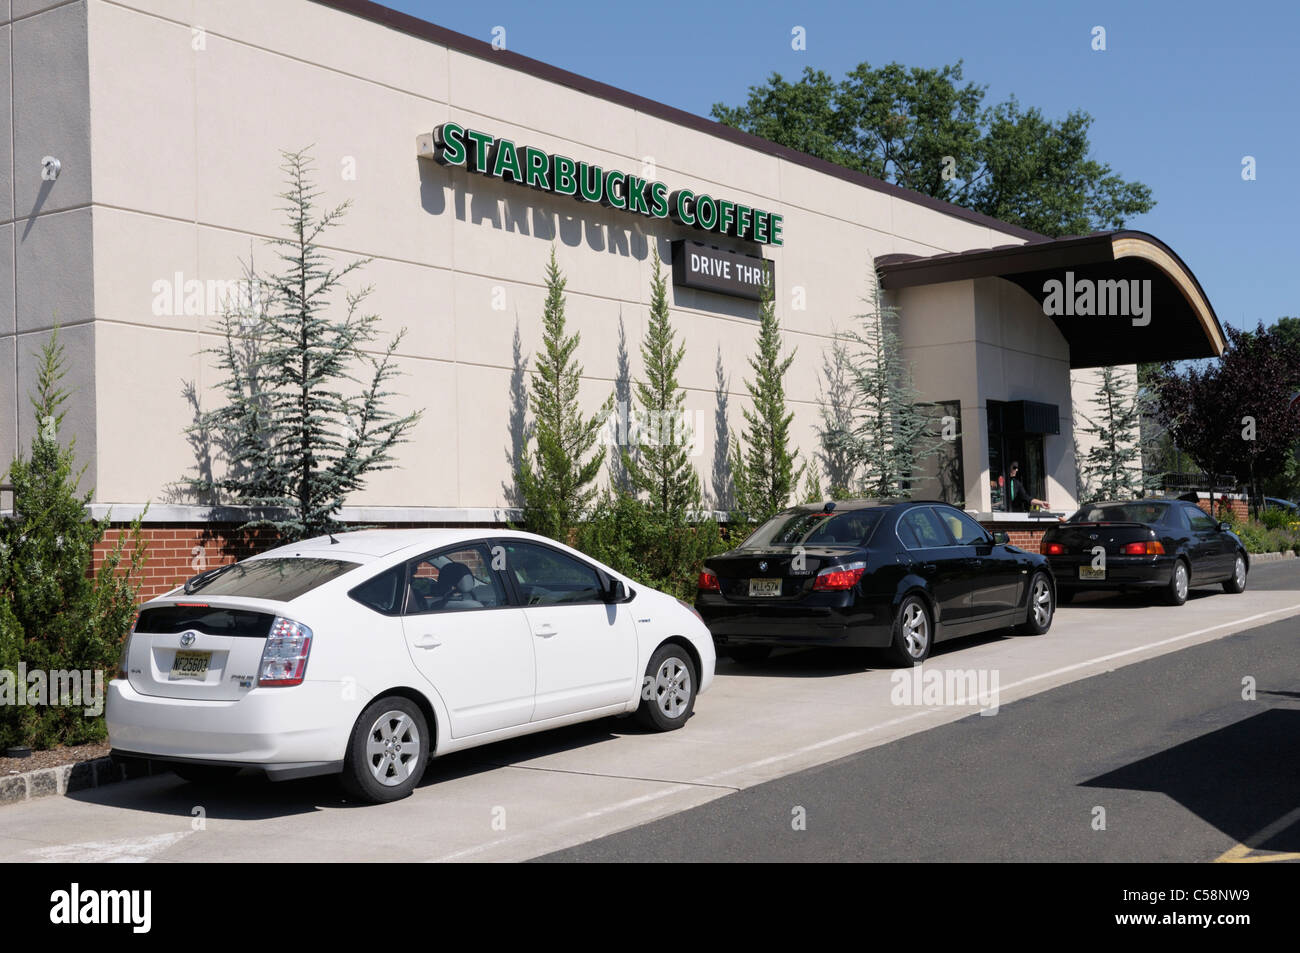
(762, 567)
(187, 638)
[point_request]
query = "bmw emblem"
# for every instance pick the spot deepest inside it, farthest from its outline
(762, 567)
(1092, 535)
(187, 638)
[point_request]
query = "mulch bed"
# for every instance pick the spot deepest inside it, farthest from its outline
(53, 758)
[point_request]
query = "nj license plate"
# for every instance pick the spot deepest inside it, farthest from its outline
(765, 587)
(191, 665)
(1091, 572)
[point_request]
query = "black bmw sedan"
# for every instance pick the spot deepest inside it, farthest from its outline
(1162, 546)
(894, 575)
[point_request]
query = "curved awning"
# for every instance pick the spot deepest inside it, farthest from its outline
(1086, 286)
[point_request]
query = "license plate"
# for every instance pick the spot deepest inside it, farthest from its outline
(191, 665)
(1090, 572)
(765, 587)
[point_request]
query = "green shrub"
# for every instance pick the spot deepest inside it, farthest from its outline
(632, 537)
(55, 615)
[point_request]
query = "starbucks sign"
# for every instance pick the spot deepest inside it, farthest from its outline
(455, 145)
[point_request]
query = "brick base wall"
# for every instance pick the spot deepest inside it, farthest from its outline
(176, 551)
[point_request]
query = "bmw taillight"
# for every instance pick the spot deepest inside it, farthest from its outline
(839, 577)
(1051, 549)
(709, 582)
(1152, 547)
(284, 659)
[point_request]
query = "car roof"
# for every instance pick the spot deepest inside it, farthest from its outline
(369, 545)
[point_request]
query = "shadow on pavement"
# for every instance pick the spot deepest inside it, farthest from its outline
(1241, 778)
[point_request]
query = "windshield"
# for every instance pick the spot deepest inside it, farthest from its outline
(1121, 513)
(814, 529)
(279, 579)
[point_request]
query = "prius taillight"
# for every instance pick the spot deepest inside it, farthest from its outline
(1152, 547)
(839, 577)
(1051, 549)
(284, 658)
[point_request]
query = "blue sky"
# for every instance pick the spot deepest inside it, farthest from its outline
(1182, 93)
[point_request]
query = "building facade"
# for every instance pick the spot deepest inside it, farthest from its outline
(141, 143)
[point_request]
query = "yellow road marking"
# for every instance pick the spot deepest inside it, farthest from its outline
(1244, 853)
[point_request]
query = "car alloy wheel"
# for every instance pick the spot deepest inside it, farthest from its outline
(916, 630)
(1238, 581)
(673, 687)
(393, 748)
(1042, 602)
(388, 751)
(668, 689)
(1041, 607)
(1176, 594)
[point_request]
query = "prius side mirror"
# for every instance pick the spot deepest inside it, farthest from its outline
(1225, 527)
(615, 591)
(1001, 538)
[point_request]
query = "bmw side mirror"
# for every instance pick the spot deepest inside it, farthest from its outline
(1001, 538)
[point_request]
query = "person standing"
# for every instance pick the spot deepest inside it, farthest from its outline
(1018, 498)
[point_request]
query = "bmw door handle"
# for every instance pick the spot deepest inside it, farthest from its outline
(929, 567)
(427, 642)
(544, 631)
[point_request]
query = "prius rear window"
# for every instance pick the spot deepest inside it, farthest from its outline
(279, 579)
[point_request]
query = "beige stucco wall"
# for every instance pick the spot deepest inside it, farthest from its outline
(46, 252)
(983, 340)
(190, 103)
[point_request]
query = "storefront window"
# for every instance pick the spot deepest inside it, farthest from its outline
(1011, 441)
(942, 476)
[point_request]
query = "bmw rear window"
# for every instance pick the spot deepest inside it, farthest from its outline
(279, 579)
(802, 528)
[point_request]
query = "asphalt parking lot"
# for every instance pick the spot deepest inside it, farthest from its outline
(800, 710)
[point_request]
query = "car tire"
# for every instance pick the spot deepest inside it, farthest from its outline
(388, 751)
(205, 773)
(1175, 594)
(1237, 582)
(913, 632)
(1042, 606)
(749, 654)
(668, 689)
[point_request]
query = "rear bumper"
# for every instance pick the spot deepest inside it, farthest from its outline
(284, 771)
(277, 730)
(1122, 572)
(856, 626)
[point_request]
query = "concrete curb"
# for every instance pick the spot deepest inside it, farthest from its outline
(69, 778)
(1270, 557)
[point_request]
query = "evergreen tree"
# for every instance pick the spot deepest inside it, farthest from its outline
(55, 613)
(297, 442)
(1112, 467)
(890, 435)
(839, 406)
(764, 468)
(662, 468)
(556, 480)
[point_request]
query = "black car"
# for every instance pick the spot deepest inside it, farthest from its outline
(895, 575)
(1162, 546)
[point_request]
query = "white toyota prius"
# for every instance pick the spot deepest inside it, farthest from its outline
(366, 653)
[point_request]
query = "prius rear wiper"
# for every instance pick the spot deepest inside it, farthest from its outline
(194, 583)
